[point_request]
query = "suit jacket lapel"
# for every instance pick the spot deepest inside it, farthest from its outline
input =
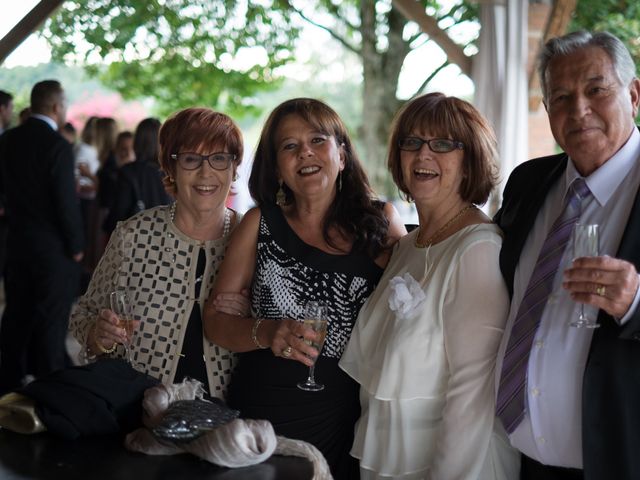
(518, 214)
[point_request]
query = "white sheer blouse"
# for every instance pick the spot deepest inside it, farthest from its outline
(427, 369)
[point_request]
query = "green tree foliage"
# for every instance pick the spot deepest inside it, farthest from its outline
(187, 52)
(621, 18)
(180, 52)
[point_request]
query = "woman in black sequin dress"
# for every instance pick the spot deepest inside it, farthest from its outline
(318, 234)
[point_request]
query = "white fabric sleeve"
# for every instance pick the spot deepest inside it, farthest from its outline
(474, 316)
(87, 154)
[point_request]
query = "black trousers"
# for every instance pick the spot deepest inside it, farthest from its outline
(39, 294)
(530, 469)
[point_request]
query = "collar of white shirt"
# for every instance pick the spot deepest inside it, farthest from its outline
(606, 179)
(50, 121)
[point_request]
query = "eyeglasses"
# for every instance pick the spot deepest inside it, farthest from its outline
(437, 145)
(193, 161)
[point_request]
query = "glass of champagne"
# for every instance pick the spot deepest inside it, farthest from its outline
(315, 316)
(585, 244)
(121, 306)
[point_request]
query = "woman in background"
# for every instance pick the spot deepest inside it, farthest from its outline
(139, 183)
(425, 344)
(87, 165)
(105, 141)
(106, 134)
(318, 234)
(124, 148)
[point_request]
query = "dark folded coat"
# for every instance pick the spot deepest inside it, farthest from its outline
(104, 397)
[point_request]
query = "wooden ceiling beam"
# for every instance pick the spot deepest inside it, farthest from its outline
(27, 26)
(415, 12)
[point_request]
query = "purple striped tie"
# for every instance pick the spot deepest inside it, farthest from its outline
(510, 404)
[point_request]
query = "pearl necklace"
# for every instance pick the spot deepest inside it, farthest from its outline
(227, 218)
(442, 229)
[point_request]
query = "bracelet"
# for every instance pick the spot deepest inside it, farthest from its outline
(254, 333)
(111, 349)
(103, 350)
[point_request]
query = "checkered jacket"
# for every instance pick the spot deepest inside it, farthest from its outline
(156, 263)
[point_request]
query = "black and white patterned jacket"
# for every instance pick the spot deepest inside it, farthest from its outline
(156, 263)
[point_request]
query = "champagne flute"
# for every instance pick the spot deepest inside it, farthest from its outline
(315, 316)
(585, 244)
(121, 306)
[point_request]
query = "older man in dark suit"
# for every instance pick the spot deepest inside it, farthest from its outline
(570, 397)
(44, 242)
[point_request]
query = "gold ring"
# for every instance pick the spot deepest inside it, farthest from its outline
(286, 353)
(601, 290)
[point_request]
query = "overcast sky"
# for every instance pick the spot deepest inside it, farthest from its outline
(33, 50)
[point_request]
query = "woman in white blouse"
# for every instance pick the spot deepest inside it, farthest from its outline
(425, 343)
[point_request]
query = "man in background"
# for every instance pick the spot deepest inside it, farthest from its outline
(6, 110)
(45, 240)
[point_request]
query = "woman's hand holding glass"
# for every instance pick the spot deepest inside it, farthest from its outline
(107, 333)
(292, 340)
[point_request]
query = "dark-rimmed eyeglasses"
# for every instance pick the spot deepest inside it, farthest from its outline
(437, 145)
(193, 161)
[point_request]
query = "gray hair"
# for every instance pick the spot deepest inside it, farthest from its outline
(575, 41)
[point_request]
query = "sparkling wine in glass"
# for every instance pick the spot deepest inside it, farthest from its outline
(585, 244)
(121, 306)
(315, 316)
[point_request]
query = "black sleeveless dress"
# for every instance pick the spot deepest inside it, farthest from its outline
(289, 273)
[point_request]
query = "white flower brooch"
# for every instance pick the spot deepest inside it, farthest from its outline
(406, 296)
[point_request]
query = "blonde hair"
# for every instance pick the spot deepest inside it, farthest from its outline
(106, 133)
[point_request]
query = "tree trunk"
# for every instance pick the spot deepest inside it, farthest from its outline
(381, 70)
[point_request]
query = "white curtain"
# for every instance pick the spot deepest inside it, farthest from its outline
(501, 85)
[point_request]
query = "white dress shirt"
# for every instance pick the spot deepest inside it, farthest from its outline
(551, 431)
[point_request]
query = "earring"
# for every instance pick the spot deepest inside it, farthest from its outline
(171, 180)
(281, 197)
(340, 181)
(235, 176)
(406, 195)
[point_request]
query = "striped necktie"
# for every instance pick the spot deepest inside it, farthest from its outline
(510, 404)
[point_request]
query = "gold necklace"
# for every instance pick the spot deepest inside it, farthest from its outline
(439, 232)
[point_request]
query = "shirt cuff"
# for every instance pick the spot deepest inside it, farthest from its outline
(632, 308)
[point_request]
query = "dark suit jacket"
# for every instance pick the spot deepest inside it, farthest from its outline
(611, 388)
(36, 177)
